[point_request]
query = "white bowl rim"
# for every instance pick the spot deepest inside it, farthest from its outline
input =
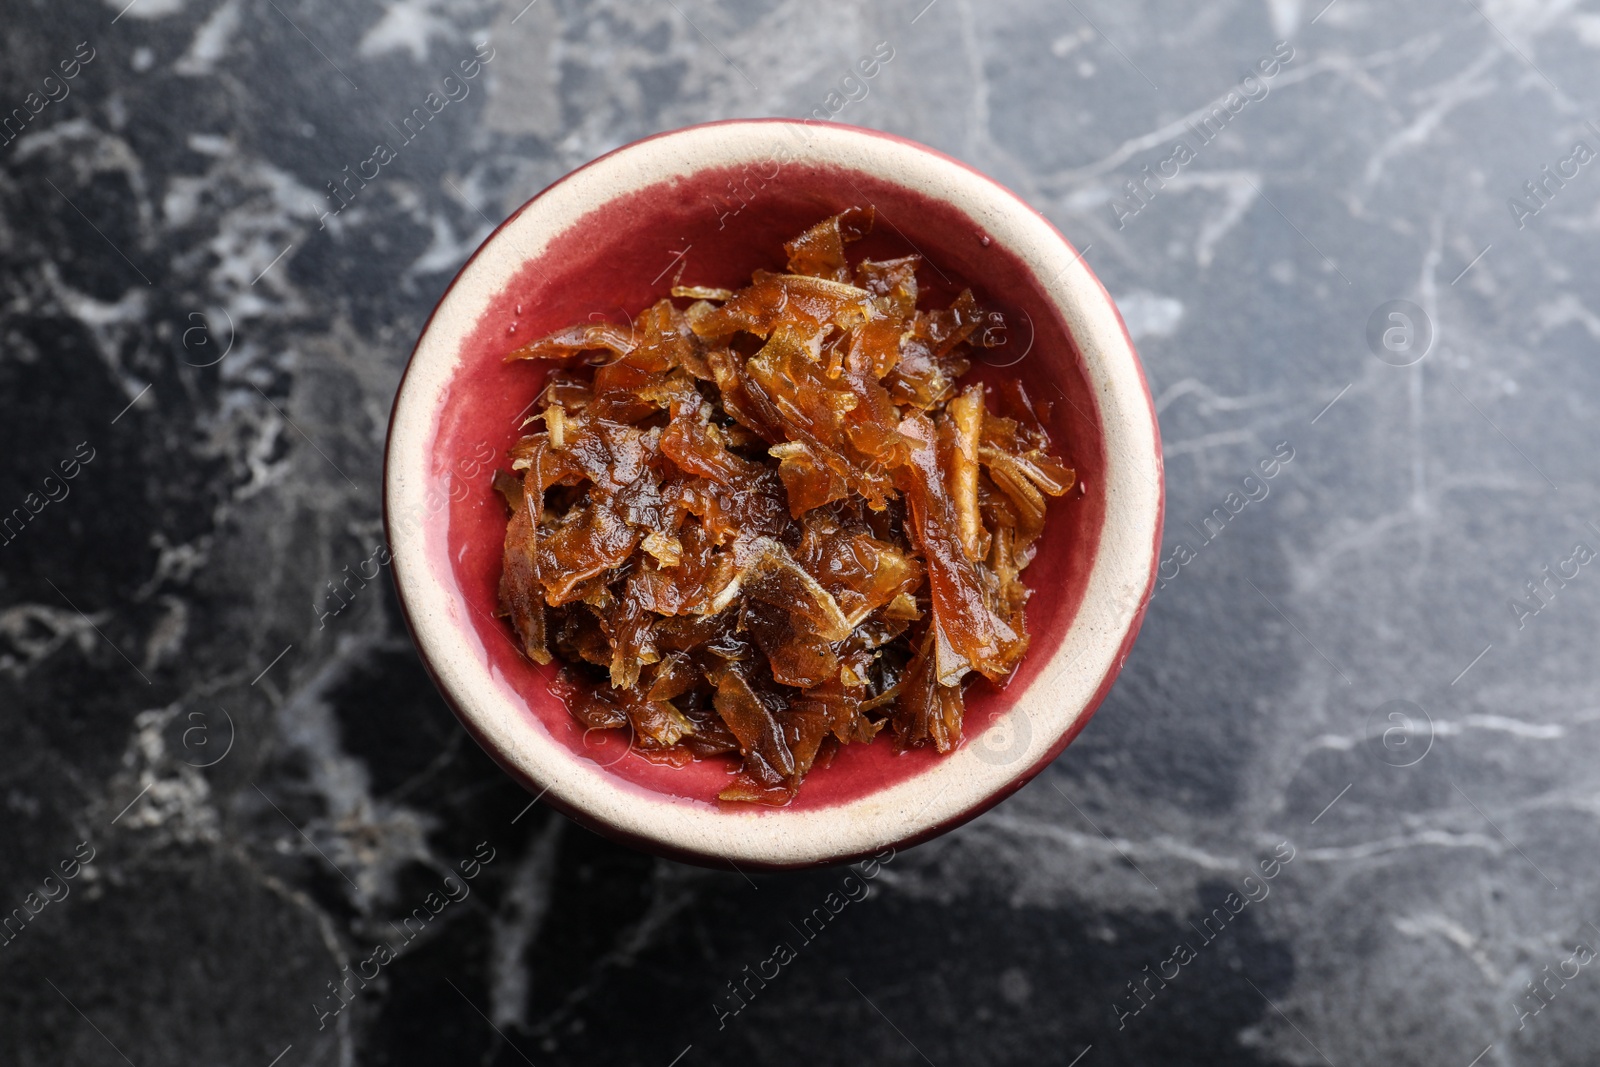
(959, 786)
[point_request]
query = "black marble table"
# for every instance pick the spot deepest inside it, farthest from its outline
(1342, 807)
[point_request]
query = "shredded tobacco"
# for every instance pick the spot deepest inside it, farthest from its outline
(774, 522)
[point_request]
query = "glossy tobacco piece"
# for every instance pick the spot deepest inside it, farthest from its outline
(764, 523)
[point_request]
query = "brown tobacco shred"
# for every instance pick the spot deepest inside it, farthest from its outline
(773, 522)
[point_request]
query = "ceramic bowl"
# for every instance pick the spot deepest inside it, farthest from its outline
(708, 205)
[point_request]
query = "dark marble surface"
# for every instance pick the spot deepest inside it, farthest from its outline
(266, 793)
